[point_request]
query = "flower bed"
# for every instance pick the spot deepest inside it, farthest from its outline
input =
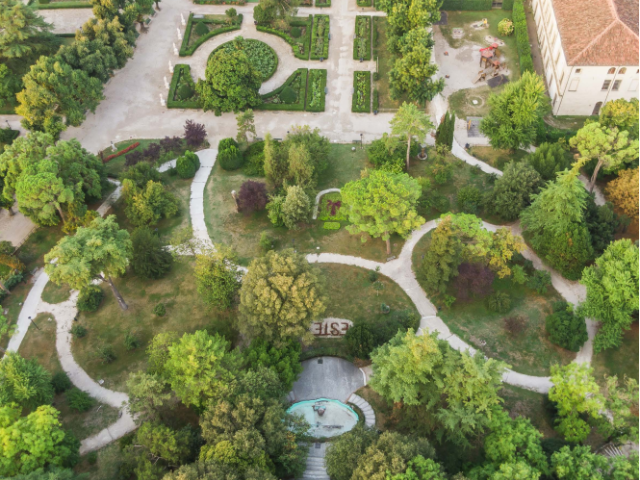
(361, 102)
(216, 25)
(320, 37)
(261, 56)
(121, 152)
(181, 76)
(300, 45)
(315, 90)
(296, 82)
(331, 208)
(362, 42)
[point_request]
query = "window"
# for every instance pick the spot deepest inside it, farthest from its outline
(616, 85)
(578, 70)
(573, 86)
(622, 71)
(606, 84)
(611, 71)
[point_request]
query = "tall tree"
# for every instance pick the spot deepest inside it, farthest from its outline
(42, 196)
(549, 159)
(147, 393)
(383, 203)
(21, 156)
(612, 292)
(217, 276)
(281, 296)
(578, 463)
(412, 122)
(421, 468)
(24, 382)
(246, 126)
(149, 257)
(405, 15)
(99, 251)
(609, 146)
(623, 192)
(147, 206)
(515, 112)
(442, 258)
(344, 452)
(276, 164)
(622, 114)
(512, 192)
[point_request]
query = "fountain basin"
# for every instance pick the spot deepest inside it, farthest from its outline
(327, 417)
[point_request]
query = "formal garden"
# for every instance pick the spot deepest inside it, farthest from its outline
(471, 313)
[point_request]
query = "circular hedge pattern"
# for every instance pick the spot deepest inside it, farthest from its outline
(261, 55)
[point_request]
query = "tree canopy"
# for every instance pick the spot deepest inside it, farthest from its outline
(24, 381)
(412, 122)
(623, 192)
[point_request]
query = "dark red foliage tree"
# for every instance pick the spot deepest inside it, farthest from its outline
(194, 133)
(132, 158)
(171, 144)
(473, 278)
(252, 196)
(152, 152)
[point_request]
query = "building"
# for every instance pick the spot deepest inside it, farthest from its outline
(589, 50)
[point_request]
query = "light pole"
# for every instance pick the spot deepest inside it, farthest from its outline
(36, 325)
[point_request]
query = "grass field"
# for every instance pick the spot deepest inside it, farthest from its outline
(461, 101)
(495, 157)
(53, 293)
(622, 361)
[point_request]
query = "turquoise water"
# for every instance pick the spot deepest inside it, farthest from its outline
(337, 418)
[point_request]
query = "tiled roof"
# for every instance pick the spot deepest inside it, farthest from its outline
(598, 32)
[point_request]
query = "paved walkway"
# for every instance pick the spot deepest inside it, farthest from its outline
(327, 377)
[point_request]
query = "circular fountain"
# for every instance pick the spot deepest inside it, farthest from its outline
(328, 418)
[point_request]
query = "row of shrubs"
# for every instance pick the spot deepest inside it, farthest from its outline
(467, 5)
(362, 42)
(182, 91)
(522, 37)
(299, 45)
(45, 4)
(326, 3)
(320, 38)
(361, 101)
(186, 49)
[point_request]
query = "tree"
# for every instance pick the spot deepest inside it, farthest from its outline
(149, 259)
(622, 114)
(99, 251)
(387, 153)
(217, 276)
(216, 470)
(41, 197)
(623, 192)
(283, 360)
(111, 33)
(612, 292)
(194, 134)
(473, 278)
(621, 402)
(344, 452)
(51, 473)
(52, 90)
(199, 367)
(140, 174)
(383, 203)
(565, 328)
(276, 165)
(405, 15)
(281, 296)
(24, 382)
(147, 393)
(556, 225)
(578, 464)
(147, 206)
(514, 113)
(390, 455)
(512, 192)
(549, 159)
(412, 122)
(246, 125)
(252, 196)
(575, 392)
(611, 147)
(442, 258)
(34, 441)
(300, 166)
(231, 82)
(421, 468)
(296, 207)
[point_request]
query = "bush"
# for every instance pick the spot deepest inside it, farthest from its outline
(90, 298)
(539, 281)
(287, 95)
(360, 341)
(105, 354)
(252, 196)
(131, 342)
(185, 91)
(160, 310)
(499, 302)
(266, 243)
(331, 225)
(60, 382)
(565, 328)
(505, 27)
(254, 159)
(201, 28)
(469, 199)
(194, 134)
(296, 32)
(187, 165)
(79, 401)
(229, 155)
(150, 258)
(92, 458)
(78, 331)
(6, 247)
(515, 325)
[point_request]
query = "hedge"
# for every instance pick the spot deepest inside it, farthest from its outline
(467, 5)
(317, 79)
(366, 108)
(366, 20)
(304, 55)
(507, 4)
(220, 2)
(323, 4)
(331, 225)
(59, 5)
(186, 50)
(325, 40)
(522, 37)
(175, 80)
(299, 106)
(364, 3)
(122, 152)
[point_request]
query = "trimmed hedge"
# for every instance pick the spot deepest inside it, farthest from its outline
(298, 82)
(59, 5)
(315, 90)
(364, 3)
(364, 22)
(186, 50)
(314, 38)
(296, 44)
(364, 92)
(522, 37)
(122, 152)
(175, 81)
(467, 5)
(323, 4)
(220, 2)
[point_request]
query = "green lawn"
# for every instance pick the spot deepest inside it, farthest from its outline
(53, 293)
(622, 361)
(461, 101)
(496, 157)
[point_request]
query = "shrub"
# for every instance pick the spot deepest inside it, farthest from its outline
(201, 28)
(252, 196)
(187, 165)
(6, 247)
(152, 152)
(360, 340)
(105, 354)
(539, 281)
(296, 207)
(229, 155)
(499, 302)
(133, 158)
(79, 401)
(331, 225)
(171, 144)
(565, 328)
(90, 298)
(150, 258)
(266, 243)
(78, 331)
(473, 278)
(287, 95)
(194, 134)
(131, 342)
(469, 199)
(92, 458)
(296, 32)
(505, 27)
(254, 159)
(185, 91)
(515, 325)
(160, 310)
(60, 382)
